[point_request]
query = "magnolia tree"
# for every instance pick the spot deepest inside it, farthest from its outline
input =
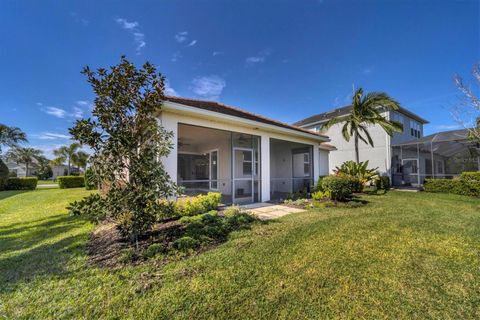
(467, 112)
(128, 143)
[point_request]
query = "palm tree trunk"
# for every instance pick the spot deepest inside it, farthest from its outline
(357, 156)
(26, 169)
(68, 170)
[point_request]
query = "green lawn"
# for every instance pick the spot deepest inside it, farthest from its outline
(404, 255)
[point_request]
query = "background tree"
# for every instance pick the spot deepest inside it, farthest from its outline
(67, 154)
(25, 156)
(44, 170)
(366, 110)
(128, 143)
(80, 159)
(11, 136)
(467, 112)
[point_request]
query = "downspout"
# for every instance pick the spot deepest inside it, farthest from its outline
(433, 163)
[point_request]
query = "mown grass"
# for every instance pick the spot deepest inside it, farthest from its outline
(403, 255)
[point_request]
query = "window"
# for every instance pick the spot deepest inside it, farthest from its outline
(415, 130)
(397, 117)
(247, 163)
(306, 164)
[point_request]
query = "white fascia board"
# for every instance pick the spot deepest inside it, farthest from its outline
(177, 107)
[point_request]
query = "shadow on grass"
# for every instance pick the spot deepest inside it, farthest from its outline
(46, 259)
(11, 193)
(23, 236)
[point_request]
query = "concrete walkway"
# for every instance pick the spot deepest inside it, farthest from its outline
(266, 211)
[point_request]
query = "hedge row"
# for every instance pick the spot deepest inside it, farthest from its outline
(467, 184)
(28, 183)
(65, 182)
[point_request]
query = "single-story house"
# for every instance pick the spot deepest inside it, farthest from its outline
(246, 157)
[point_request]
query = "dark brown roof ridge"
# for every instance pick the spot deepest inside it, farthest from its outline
(237, 112)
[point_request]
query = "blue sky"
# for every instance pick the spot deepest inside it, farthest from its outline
(283, 59)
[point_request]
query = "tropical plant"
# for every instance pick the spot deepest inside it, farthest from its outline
(357, 170)
(44, 170)
(366, 111)
(11, 136)
(68, 154)
(80, 159)
(128, 143)
(25, 156)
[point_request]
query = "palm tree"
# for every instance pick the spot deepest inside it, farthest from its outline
(24, 156)
(80, 159)
(11, 136)
(366, 110)
(67, 154)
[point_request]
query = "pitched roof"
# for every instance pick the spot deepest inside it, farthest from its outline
(321, 117)
(236, 112)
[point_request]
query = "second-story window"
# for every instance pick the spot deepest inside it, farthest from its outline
(415, 130)
(397, 117)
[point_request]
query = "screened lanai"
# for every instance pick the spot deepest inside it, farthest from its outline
(442, 155)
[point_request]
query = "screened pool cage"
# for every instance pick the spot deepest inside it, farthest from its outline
(443, 155)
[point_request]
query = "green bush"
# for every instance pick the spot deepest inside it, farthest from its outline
(4, 174)
(90, 179)
(339, 187)
(166, 209)
(28, 183)
(154, 249)
(65, 182)
(92, 207)
(199, 204)
(186, 243)
(382, 183)
(467, 184)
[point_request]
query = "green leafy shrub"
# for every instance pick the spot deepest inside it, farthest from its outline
(4, 174)
(358, 170)
(65, 182)
(92, 207)
(91, 181)
(186, 243)
(128, 255)
(28, 183)
(382, 183)
(321, 195)
(463, 185)
(199, 204)
(167, 209)
(472, 182)
(154, 249)
(339, 187)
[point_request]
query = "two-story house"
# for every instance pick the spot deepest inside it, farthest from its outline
(380, 155)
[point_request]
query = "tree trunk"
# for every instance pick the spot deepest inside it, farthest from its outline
(357, 156)
(68, 170)
(26, 169)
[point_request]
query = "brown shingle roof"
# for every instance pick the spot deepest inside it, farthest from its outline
(236, 112)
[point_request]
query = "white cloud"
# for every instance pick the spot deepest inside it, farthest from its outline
(177, 55)
(209, 87)
(181, 36)
(51, 136)
(54, 111)
(217, 53)
(169, 91)
(259, 58)
(77, 112)
(367, 70)
(133, 28)
(192, 43)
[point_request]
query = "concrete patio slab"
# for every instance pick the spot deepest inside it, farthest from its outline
(267, 211)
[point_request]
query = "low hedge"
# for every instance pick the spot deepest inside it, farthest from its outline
(340, 188)
(28, 183)
(65, 182)
(382, 183)
(468, 184)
